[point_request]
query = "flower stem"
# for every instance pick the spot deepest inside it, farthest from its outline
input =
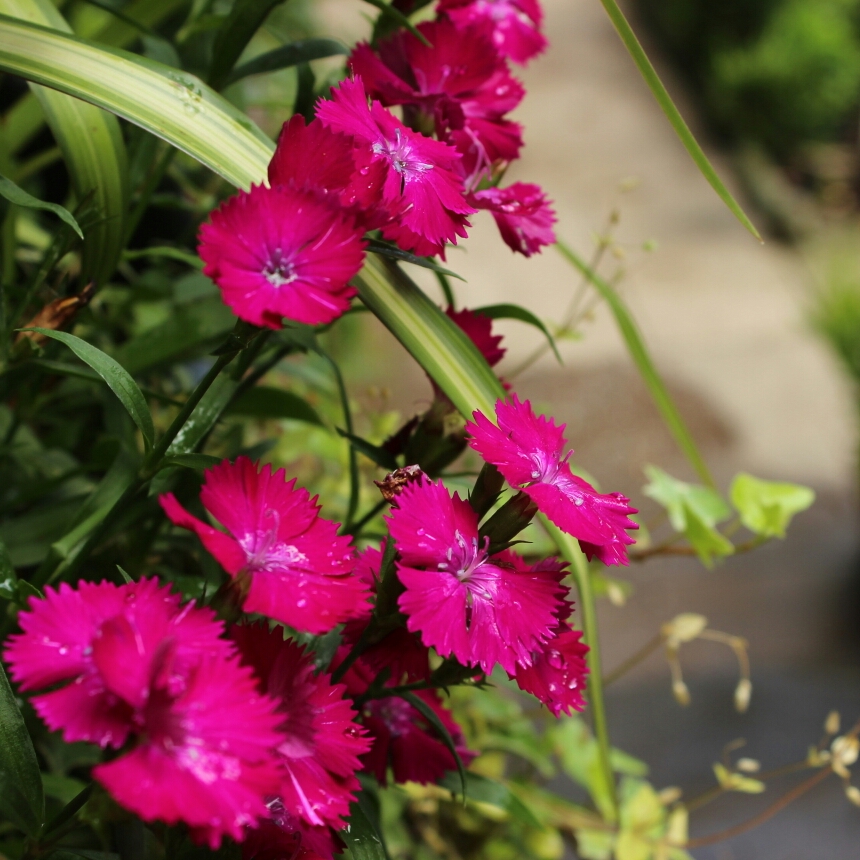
(569, 548)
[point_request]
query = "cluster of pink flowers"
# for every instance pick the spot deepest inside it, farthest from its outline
(233, 729)
(289, 249)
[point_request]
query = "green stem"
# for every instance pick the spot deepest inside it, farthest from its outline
(588, 613)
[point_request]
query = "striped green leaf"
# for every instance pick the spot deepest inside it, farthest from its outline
(93, 150)
(169, 103)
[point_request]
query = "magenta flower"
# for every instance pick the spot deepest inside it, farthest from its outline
(523, 213)
(460, 84)
(143, 669)
(420, 189)
(527, 450)
(282, 252)
(311, 157)
(320, 755)
(558, 672)
(402, 738)
(400, 652)
(479, 329)
(516, 23)
(291, 561)
(478, 608)
(64, 640)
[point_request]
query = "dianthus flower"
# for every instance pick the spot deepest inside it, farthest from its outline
(461, 84)
(159, 675)
(282, 252)
(479, 329)
(558, 672)
(311, 157)
(516, 23)
(420, 189)
(465, 603)
(403, 739)
(523, 214)
(400, 652)
(290, 561)
(320, 754)
(527, 450)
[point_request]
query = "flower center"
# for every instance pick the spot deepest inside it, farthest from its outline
(279, 271)
(400, 153)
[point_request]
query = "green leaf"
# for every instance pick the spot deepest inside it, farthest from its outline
(399, 18)
(194, 461)
(264, 401)
(91, 142)
(483, 790)
(435, 341)
(676, 120)
(694, 511)
(767, 507)
(238, 29)
(302, 51)
(386, 249)
(374, 453)
(63, 788)
(73, 804)
(361, 836)
(115, 375)
(439, 727)
(169, 103)
(19, 197)
(166, 252)
(595, 844)
(515, 312)
(21, 798)
(642, 359)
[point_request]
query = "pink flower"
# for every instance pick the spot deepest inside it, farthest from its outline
(421, 191)
(282, 252)
(204, 738)
(311, 157)
(461, 84)
(478, 608)
(400, 652)
(523, 213)
(402, 737)
(65, 640)
(479, 329)
(320, 755)
(557, 673)
(295, 567)
(527, 450)
(516, 23)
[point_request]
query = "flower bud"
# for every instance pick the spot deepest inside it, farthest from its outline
(832, 723)
(743, 693)
(748, 765)
(684, 627)
(853, 794)
(681, 692)
(393, 483)
(845, 751)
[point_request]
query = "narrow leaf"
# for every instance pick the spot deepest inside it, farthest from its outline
(91, 142)
(71, 809)
(238, 29)
(20, 197)
(485, 790)
(644, 363)
(515, 312)
(675, 119)
(21, 798)
(267, 402)
(386, 249)
(115, 375)
(361, 837)
(444, 735)
(193, 461)
(374, 453)
(8, 577)
(398, 17)
(302, 51)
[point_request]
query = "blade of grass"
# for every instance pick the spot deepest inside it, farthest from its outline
(642, 359)
(640, 58)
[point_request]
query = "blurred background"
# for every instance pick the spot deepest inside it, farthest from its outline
(760, 344)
